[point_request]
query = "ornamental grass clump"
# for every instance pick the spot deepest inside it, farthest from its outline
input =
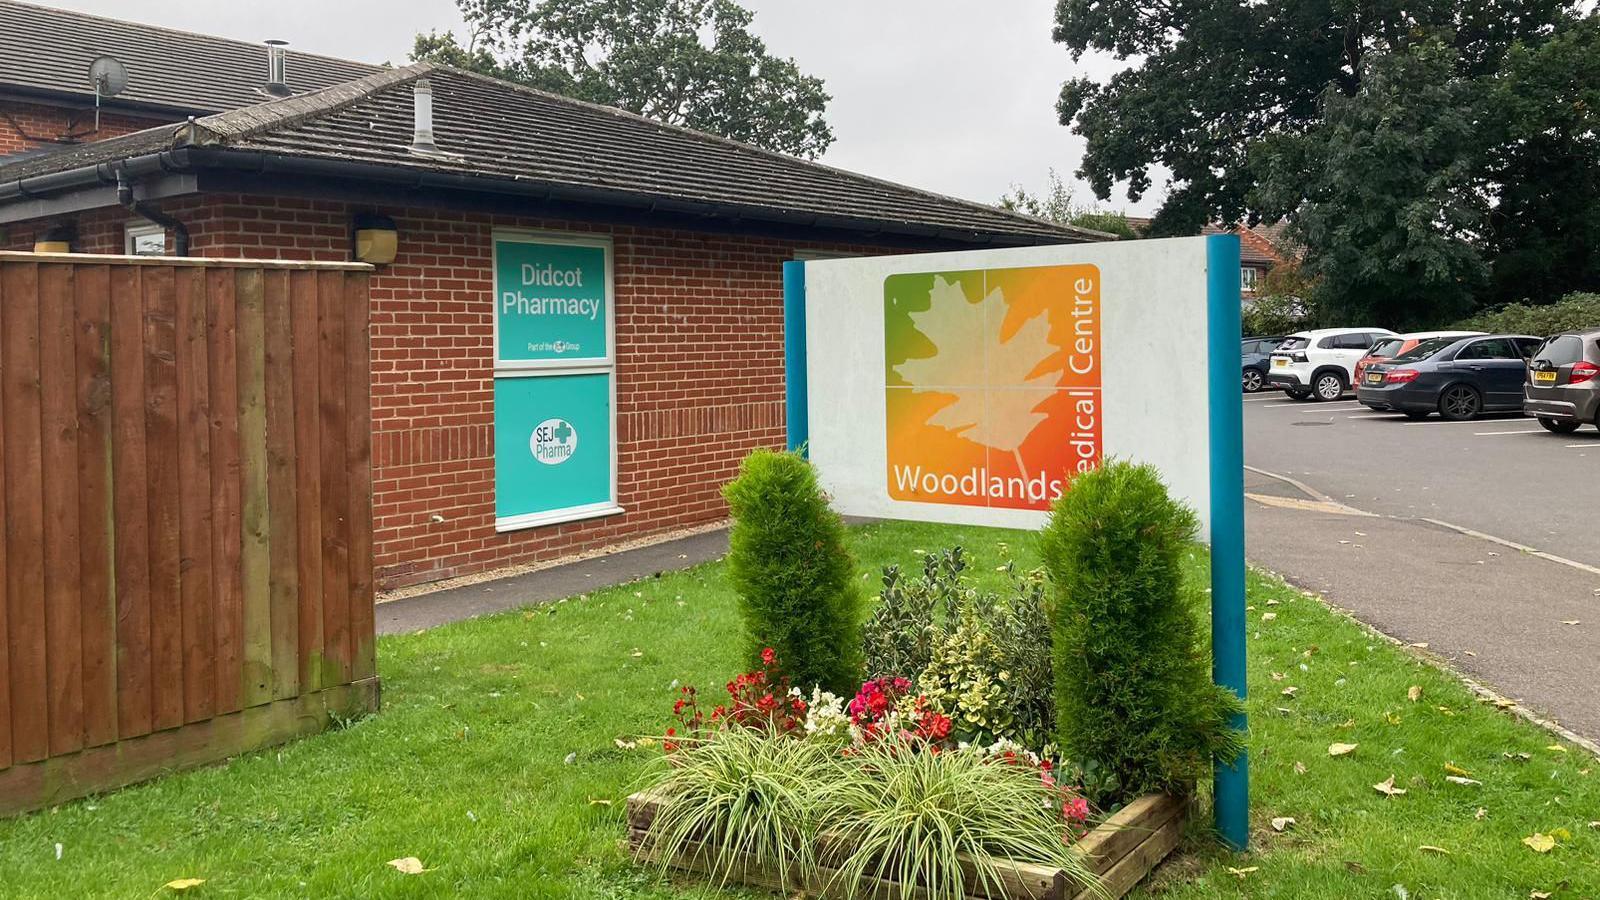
(1134, 697)
(740, 800)
(788, 563)
(932, 823)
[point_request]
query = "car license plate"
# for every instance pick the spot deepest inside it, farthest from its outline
(1279, 363)
(1544, 378)
(1374, 377)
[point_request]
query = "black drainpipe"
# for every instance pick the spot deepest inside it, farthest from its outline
(180, 232)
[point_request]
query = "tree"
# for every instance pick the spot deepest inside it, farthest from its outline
(1056, 205)
(1208, 80)
(685, 62)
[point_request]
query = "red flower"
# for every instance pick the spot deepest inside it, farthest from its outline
(768, 657)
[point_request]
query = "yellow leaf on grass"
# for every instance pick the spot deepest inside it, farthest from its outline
(1429, 848)
(1241, 873)
(408, 865)
(1556, 748)
(1538, 895)
(183, 884)
(1454, 769)
(1540, 843)
(1300, 769)
(1415, 693)
(1388, 789)
(1342, 749)
(1283, 823)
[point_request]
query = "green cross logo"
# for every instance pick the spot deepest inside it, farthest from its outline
(562, 432)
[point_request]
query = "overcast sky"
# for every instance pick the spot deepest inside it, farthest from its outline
(948, 95)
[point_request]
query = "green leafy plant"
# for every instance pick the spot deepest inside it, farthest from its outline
(788, 563)
(1132, 671)
(928, 821)
(899, 636)
(1570, 313)
(738, 799)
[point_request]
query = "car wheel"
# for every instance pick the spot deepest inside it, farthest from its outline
(1416, 415)
(1328, 386)
(1252, 380)
(1557, 426)
(1298, 393)
(1460, 402)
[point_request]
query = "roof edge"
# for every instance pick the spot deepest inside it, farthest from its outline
(286, 112)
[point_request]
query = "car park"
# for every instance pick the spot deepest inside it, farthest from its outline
(1388, 348)
(1256, 357)
(1320, 364)
(1460, 378)
(1563, 386)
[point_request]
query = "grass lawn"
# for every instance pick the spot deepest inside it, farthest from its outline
(495, 762)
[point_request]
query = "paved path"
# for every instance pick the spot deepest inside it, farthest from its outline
(566, 580)
(1462, 595)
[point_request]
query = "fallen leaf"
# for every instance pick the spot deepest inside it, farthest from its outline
(1503, 703)
(1290, 691)
(407, 865)
(1300, 769)
(1572, 622)
(1347, 723)
(1460, 779)
(1454, 769)
(1518, 757)
(1388, 789)
(1342, 749)
(1414, 693)
(1268, 617)
(1355, 867)
(1392, 718)
(1481, 814)
(1538, 895)
(1282, 823)
(571, 758)
(1540, 843)
(1421, 646)
(1273, 602)
(1241, 873)
(1594, 824)
(599, 801)
(1556, 748)
(1399, 890)
(1429, 848)
(183, 884)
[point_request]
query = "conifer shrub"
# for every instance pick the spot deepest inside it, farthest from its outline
(795, 579)
(1134, 698)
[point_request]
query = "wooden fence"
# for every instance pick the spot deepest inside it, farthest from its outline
(186, 567)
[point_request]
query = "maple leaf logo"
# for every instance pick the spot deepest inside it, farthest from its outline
(998, 388)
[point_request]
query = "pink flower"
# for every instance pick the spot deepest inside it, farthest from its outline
(1076, 809)
(768, 656)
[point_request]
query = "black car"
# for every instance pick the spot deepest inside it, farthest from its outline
(1257, 358)
(1456, 377)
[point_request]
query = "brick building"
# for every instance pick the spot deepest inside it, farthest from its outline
(659, 250)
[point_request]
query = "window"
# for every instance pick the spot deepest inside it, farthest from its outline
(1563, 350)
(144, 239)
(1248, 278)
(1526, 346)
(1386, 348)
(1496, 348)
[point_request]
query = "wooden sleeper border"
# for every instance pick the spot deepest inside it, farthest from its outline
(1121, 851)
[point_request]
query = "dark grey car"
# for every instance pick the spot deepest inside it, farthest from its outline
(1563, 385)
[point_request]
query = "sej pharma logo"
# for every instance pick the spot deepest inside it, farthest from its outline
(553, 441)
(546, 290)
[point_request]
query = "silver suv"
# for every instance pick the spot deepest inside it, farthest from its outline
(1563, 386)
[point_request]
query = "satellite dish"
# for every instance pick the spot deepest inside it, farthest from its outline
(108, 75)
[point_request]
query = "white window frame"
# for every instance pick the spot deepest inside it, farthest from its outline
(133, 231)
(604, 365)
(1249, 278)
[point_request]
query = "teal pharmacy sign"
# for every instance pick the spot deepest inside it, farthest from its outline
(553, 457)
(551, 302)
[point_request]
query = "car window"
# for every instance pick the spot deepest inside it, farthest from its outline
(1526, 346)
(1294, 343)
(1561, 350)
(1425, 349)
(1356, 341)
(1385, 348)
(1494, 348)
(1374, 337)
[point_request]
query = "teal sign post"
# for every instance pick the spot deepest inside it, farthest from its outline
(550, 303)
(554, 441)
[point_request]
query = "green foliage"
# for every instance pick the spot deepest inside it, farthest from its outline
(982, 658)
(1573, 312)
(694, 63)
(795, 579)
(1133, 684)
(739, 798)
(1272, 315)
(915, 818)
(1056, 204)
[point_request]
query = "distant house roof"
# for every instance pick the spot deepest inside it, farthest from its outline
(47, 52)
(501, 137)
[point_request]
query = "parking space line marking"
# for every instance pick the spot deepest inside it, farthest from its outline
(1588, 446)
(1492, 433)
(1308, 404)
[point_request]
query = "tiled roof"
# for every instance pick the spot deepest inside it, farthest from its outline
(491, 129)
(49, 50)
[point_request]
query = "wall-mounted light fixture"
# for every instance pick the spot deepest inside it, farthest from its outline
(376, 240)
(56, 239)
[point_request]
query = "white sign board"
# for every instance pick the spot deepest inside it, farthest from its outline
(971, 386)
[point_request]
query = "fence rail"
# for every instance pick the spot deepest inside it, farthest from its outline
(187, 553)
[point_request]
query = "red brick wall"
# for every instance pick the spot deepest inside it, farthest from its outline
(48, 125)
(700, 383)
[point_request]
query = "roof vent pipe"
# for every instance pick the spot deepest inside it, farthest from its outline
(422, 118)
(277, 69)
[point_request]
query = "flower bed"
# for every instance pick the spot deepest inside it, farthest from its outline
(1118, 853)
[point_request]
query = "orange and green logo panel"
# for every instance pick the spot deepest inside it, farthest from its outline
(992, 382)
